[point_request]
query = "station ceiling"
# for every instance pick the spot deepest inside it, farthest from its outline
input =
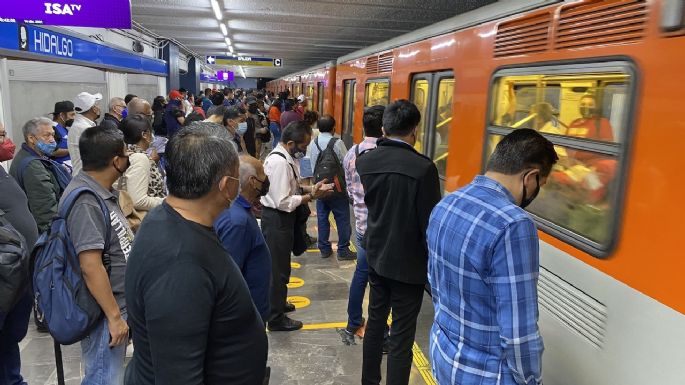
(302, 33)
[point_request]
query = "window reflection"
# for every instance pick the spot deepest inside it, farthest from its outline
(442, 126)
(377, 93)
(420, 94)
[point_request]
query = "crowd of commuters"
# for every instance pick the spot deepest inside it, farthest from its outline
(187, 176)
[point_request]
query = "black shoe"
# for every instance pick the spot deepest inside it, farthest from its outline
(284, 324)
(40, 328)
(346, 255)
(311, 241)
(326, 254)
(289, 307)
(386, 346)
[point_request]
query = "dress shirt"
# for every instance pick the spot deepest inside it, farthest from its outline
(483, 269)
(355, 189)
(284, 189)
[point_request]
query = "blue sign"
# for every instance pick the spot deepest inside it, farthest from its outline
(41, 41)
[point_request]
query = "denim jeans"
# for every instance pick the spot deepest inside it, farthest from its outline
(12, 330)
(357, 287)
(341, 212)
(103, 365)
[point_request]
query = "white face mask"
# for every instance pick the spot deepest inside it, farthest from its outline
(242, 128)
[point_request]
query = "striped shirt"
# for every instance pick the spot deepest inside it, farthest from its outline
(483, 266)
(355, 190)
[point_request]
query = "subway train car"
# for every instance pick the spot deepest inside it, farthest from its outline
(315, 83)
(603, 81)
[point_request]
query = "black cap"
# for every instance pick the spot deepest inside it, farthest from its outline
(63, 106)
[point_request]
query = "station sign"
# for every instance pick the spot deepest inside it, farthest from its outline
(77, 13)
(248, 61)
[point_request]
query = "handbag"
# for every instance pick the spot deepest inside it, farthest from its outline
(133, 216)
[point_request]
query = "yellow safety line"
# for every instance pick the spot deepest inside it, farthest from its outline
(423, 365)
(328, 325)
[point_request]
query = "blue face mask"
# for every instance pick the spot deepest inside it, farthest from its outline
(46, 148)
(242, 128)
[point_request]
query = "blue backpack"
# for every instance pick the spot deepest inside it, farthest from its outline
(63, 300)
(61, 174)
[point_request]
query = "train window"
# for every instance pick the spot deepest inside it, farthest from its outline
(377, 92)
(584, 109)
(349, 98)
(310, 96)
(442, 124)
(420, 93)
(319, 95)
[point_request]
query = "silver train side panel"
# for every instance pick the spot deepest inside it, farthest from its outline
(598, 330)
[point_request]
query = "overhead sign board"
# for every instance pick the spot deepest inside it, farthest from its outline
(78, 13)
(248, 61)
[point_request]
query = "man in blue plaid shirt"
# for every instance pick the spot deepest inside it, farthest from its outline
(483, 267)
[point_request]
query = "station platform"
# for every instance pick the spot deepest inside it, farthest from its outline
(315, 355)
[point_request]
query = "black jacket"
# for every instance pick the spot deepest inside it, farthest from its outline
(109, 121)
(401, 188)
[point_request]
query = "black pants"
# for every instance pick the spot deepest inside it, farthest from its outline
(278, 228)
(405, 300)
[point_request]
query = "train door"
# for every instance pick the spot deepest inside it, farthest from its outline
(432, 93)
(349, 97)
(319, 95)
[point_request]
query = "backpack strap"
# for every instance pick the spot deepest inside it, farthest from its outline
(356, 151)
(68, 205)
(316, 142)
(23, 165)
(286, 160)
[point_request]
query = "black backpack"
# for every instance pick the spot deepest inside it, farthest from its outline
(328, 167)
(14, 265)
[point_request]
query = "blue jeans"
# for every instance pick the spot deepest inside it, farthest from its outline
(341, 212)
(103, 365)
(275, 133)
(12, 330)
(357, 287)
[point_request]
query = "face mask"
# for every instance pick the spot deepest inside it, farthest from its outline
(7, 150)
(242, 128)
(587, 112)
(527, 201)
(231, 200)
(46, 148)
(68, 122)
(265, 187)
(128, 164)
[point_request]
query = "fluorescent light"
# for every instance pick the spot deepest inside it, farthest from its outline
(217, 10)
(242, 70)
(230, 48)
(223, 28)
(227, 40)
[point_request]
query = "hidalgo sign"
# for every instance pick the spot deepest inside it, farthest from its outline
(79, 13)
(249, 61)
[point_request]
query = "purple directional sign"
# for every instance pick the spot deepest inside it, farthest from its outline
(78, 13)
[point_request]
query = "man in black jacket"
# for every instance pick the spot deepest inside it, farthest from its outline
(401, 188)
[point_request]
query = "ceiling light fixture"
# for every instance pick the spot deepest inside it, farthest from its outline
(223, 29)
(242, 70)
(228, 41)
(217, 10)
(230, 48)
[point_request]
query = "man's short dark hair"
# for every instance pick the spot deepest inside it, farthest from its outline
(521, 150)
(129, 97)
(373, 121)
(133, 127)
(198, 158)
(208, 92)
(288, 104)
(400, 118)
(183, 90)
(217, 111)
(232, 113)
(98, 146)
(218, 99)
(296, 132)
(326, 123)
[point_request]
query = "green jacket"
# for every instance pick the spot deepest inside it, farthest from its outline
(41, 187)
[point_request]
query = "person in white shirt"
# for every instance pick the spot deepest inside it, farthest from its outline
(278, 215)
(87, 113)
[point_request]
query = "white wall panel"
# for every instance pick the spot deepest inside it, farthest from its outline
(117, 86)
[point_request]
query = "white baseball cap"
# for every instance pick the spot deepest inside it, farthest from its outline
(85, 101)
(300, 98)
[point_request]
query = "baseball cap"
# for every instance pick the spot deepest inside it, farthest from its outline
(85, 101)
(300, 98)
(174, 94)
(63, 106)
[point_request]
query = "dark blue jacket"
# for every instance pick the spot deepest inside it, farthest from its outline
(171, 112)
(239, 232)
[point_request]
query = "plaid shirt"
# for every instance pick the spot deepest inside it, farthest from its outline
(483, 268)
(355, 190)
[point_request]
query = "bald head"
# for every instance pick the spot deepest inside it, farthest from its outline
(252, 177)
(139, 106)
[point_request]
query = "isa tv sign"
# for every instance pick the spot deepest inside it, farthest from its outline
(78, 13)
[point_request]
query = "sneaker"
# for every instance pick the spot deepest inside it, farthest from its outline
(346, 255)
(347, 337)
(311, 241)
(289, 307)
(326, 254)
(284, 324)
